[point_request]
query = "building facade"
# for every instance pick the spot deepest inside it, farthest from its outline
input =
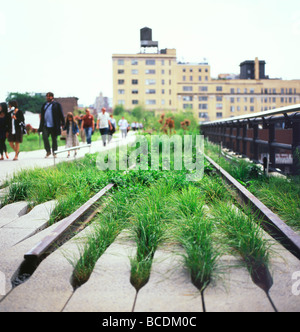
(158, 82)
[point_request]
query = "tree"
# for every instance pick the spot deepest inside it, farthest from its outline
(119, 110)
(27, 101)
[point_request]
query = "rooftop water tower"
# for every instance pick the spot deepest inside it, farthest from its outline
(146, 39)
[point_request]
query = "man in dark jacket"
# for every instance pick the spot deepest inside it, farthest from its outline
(51, 121)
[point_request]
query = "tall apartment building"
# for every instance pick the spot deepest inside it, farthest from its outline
(156, 81)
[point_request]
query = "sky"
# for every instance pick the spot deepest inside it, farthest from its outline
(66, 46)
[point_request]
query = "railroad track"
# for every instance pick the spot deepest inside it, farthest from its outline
(38, 273)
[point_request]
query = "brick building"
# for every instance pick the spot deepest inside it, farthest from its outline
(69, 104)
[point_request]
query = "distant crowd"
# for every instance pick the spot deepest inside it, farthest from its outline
(53, 123)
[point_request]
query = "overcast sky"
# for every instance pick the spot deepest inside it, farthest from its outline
(66, 46)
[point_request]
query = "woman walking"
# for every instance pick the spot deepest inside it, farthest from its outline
(3, 130)
(72, 133)
(15, 127)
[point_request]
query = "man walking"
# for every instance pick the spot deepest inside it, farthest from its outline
(51, 121)
(104, 124)
(88, 125)
(123, 124)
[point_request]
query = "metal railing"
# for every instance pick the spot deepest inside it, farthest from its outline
(271, 138)
(70, 149)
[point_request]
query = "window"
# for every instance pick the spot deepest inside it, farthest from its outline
(150, 62)
(135, 102)
(203, 107)
(187, 88)
(121, 102)
(203, 88)
(120, 62)
(231, 109)
(219, 115)
(188, 106)
(191, 78)
(150, 91)
(187, 98)
(251, 90)
(232, 99)
(134, 62)
(219, 106)
(135, 82)
(219, 88)
(150, 82)
(219, 98)
(121, 81)
(120, 71)
(134, 71)
(200, 78)
(203, 115)
(251, 100)
(121, 92)
(150, 102)
(203, 98)
(251, 108)
(232, 90)
(150, 71)
(183, 78)
(135, 92)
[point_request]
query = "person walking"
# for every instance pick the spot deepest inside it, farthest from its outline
(72, 133)
(104, 125)
(123, 125)
(51, 121)
(16, 125)
(88, 125)
(81, 131)
(3, 130)
(113, 130)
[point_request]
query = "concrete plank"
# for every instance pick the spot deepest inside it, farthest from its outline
(49, 288)
(25, 226)
(169, 288)
(234, 291)
(108, 288)
(12, 211)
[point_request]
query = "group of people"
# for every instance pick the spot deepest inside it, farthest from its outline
(12, 126)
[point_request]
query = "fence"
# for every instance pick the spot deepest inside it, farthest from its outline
(271, 138)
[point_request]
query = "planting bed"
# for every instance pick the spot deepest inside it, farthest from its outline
(155, 242)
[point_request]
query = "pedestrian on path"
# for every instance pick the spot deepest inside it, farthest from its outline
(72, 133)
(81, 131)
(123, 125)
(88, 125)
(113, 130)
(104, 125)
(51, 121)
(16, 127)
(3, 130)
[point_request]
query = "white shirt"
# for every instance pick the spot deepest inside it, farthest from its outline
(123, 124)
(103, 120)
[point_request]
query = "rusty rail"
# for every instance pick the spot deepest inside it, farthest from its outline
(39, 250)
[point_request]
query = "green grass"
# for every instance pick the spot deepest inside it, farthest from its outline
(195, 232)
(243, 234)
(280, 195)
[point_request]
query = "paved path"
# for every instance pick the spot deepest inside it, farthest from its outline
(37, 158)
